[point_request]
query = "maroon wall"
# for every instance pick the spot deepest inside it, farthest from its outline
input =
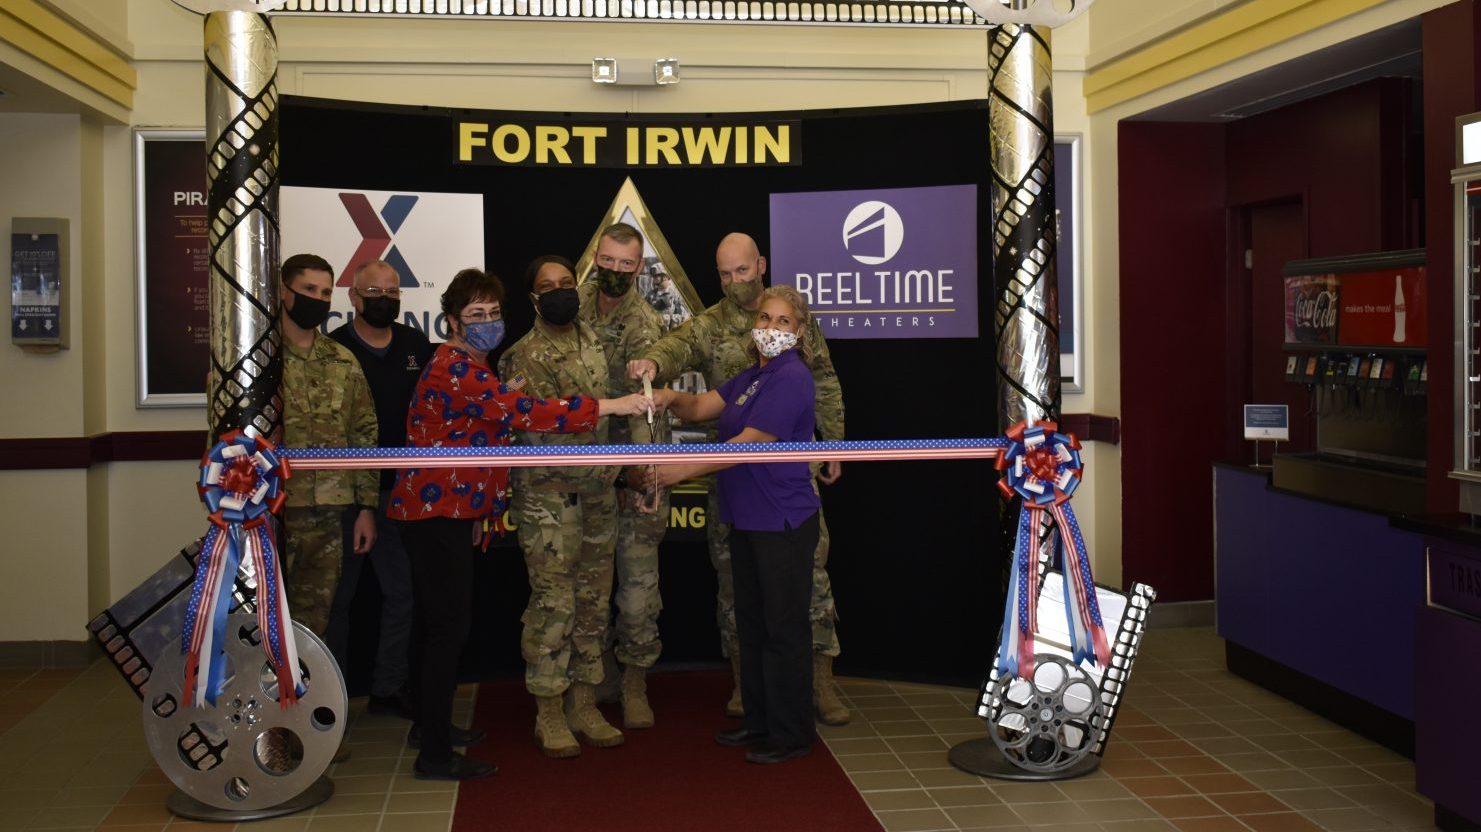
(1186, 194)
(1172, 324)
(1450, 90)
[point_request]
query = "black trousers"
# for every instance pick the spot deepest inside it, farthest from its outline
(441, 553)
(773, 591)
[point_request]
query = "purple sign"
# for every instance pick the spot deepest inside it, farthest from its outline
(893, 263)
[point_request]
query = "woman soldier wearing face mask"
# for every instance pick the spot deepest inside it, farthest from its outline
(460, 402)
(773, 513)
(567, 519)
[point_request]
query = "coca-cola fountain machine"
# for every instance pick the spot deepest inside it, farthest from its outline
(1355, 338)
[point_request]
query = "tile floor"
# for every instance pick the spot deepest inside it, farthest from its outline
(1195, 749)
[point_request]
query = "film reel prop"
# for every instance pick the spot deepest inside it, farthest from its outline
(1056, 725)
(247, 757)
(138, 628)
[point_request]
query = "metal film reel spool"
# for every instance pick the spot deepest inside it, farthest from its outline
(1047, 725)
(247, 754)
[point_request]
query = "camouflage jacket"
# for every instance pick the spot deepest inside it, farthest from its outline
(549, 364)
(714, 342)
(327, 404)
(630, 329)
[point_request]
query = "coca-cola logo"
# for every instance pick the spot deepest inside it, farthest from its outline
(1316, 310)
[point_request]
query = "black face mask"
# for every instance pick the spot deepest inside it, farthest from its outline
(380, 312)
(558, 306)
(614, 284)
(307, 312)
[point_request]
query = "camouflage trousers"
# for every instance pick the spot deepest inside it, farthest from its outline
(638, 601)
(822, 611)
(314, 539)
(568, 541)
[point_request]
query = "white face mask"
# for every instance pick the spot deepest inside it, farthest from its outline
(773, 342)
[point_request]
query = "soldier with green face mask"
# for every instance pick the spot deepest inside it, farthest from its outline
(627, 326)
(715, 343)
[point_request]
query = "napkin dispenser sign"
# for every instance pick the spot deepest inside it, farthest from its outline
(37, 283)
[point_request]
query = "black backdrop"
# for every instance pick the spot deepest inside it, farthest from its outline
(915, 560)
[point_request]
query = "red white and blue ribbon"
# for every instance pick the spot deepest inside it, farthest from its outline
(524, 456)
(1042, 467)
(241, 484)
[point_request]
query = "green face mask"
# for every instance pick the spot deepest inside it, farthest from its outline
(744, 294)
(614, 284)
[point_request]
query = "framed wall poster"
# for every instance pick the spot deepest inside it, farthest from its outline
(1068, 204)
(170, 267)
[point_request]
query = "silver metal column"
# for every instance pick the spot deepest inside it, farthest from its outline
(1021, 119)
(1026, 312)
(242, 205)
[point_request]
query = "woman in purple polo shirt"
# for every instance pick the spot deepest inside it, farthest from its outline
(773, 511)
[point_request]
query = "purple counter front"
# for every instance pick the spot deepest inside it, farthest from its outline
(1328, 591)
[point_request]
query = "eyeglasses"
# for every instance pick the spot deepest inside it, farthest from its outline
(481, 317)
(378, 292)
(607, 261)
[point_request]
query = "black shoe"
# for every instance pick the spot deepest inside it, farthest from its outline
(740, 737)
(461, 737)
(768, 754)
(457, 767)
(396, 705)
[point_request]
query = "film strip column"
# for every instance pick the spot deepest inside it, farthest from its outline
(242, 205)
(1024, 239)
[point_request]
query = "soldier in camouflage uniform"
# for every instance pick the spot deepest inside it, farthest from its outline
(326, 404)
(627, 326)
(715, 342)
(567, 518)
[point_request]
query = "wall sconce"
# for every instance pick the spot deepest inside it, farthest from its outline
(604, 70)
(632, 72)
(666, 71)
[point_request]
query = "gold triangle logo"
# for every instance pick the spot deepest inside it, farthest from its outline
(662, 282)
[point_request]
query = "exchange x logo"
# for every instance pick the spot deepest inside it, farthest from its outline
(378, 233)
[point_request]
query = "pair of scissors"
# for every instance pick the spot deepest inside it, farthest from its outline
(648, 503)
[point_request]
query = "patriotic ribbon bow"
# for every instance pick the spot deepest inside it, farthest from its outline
(1043, 467)
(241, 484)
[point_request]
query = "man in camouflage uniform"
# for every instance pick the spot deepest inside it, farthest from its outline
(326, 404)
(627, 326)
(567, 518)
(715, 342)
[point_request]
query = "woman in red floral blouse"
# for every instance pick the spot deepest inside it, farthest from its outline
(460, 402)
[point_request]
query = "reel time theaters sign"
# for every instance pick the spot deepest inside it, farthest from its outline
(888, 263)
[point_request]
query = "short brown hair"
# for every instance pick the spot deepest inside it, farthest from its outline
(470, 286)
(300, 263)
(622, 233)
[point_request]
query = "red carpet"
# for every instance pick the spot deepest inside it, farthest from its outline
(669, 777)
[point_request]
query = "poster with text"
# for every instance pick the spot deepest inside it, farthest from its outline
(174, 319)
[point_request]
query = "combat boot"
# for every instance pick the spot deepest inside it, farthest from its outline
(824, 697)
(551, 733)
(635, 710)
(587, 722)
(735, 707)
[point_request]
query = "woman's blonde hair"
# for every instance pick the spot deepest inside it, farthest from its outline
(803, 316)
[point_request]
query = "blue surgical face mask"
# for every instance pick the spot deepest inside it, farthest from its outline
(484, 336)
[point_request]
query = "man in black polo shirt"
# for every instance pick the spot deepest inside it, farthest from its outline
(392, 356)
